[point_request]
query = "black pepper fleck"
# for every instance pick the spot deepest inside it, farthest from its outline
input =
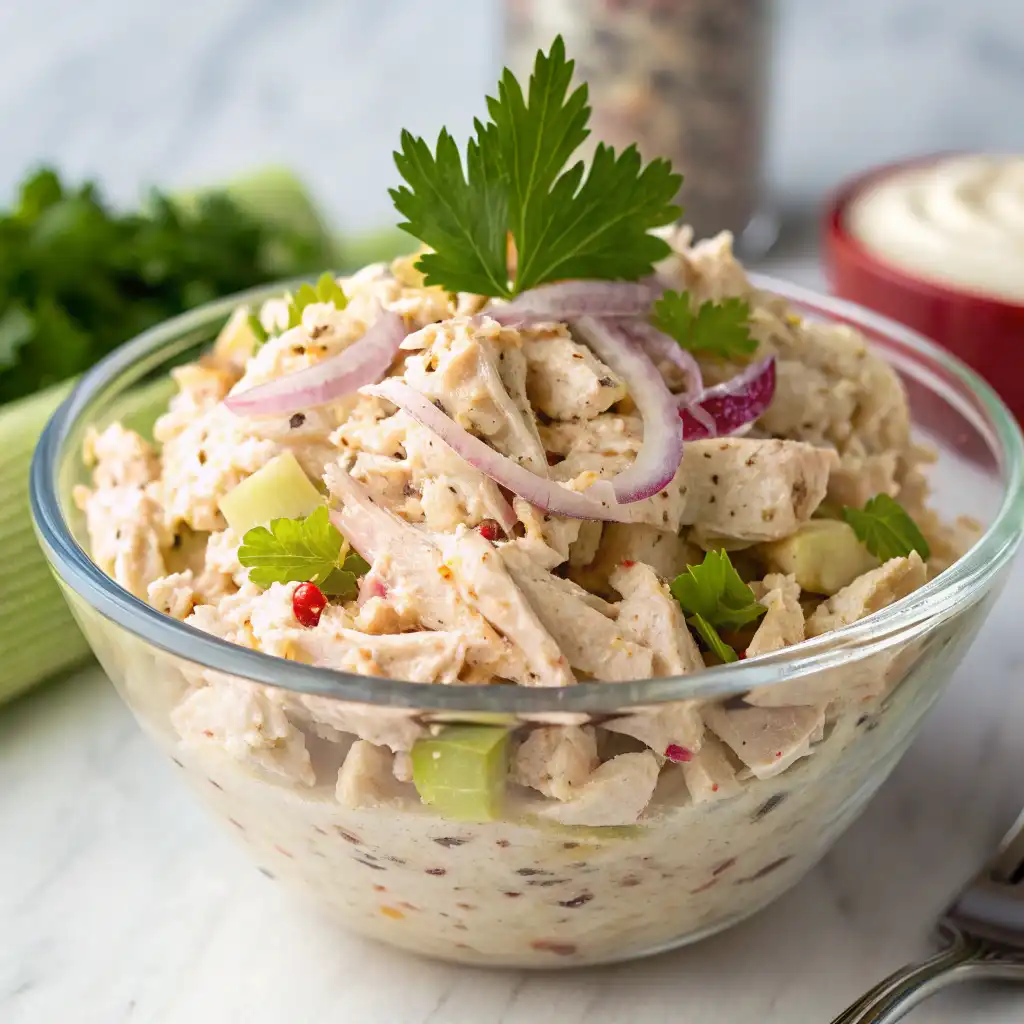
(450, 841)
(367, 864)
(577, 901)
(297, 420)
(769, 805)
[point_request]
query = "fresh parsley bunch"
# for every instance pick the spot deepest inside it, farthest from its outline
(78, 278)
(564, 223)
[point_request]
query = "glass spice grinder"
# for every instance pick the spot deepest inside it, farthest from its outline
(684, 79)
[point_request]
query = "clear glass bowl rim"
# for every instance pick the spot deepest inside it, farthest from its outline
(938, 599)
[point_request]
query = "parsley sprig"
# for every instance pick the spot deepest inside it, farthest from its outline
(310, 550)
(716, 328)
(326, 289)
(714, 596)
(885, 529)
(573, 223)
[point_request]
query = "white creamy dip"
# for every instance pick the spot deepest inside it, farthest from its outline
(958, 221)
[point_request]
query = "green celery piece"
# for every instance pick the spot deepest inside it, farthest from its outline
(279, 490)
(462, 771)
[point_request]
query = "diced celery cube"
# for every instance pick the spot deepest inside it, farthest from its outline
(824, 555)
(462, 771)
(280, 490)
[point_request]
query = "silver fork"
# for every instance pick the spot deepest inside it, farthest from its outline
(982, 932)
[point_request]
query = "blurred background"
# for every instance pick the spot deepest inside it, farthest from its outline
(196, 91)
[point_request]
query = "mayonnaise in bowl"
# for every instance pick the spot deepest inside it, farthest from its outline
(958, 220)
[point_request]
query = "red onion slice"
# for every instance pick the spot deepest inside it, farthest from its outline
(505, 515)
(362, 522)
(659, 345)
(732, 405)
(363, 362)
(661, 450)
(545, 494)
(567, 300)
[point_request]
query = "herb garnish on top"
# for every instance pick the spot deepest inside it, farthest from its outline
(564, 223)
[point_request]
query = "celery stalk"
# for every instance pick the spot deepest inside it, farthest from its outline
(38, 637)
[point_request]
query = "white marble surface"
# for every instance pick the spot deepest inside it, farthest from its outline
(121, 902)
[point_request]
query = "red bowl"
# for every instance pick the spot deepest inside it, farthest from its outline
(986, 333)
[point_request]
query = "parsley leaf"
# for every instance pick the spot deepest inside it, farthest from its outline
(327, 289)
(536, 136)
(717, 328)
(885, 529)
(463, 219)
(715, 591)
(299, 551)
(600, 229)
(258, 330)
(713, 595)
(710, 636)
(574, 223)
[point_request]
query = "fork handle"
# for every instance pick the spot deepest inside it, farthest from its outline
(964, 959)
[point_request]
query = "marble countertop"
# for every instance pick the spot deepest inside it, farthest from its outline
(121, 902)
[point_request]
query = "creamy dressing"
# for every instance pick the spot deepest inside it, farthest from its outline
(958, 221)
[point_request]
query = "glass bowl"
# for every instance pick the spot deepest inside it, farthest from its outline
(521, 890)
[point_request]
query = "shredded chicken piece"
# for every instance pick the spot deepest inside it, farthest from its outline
(173, 595)
(460, 368)
(365, 778)
(783, 623)
(767, 740)
(556, 761)
(485, 584)
(868, 594)
(709, 774)
(566, 381)
(616, 793)
(242, 720)
(753, 489)
(591, 641)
